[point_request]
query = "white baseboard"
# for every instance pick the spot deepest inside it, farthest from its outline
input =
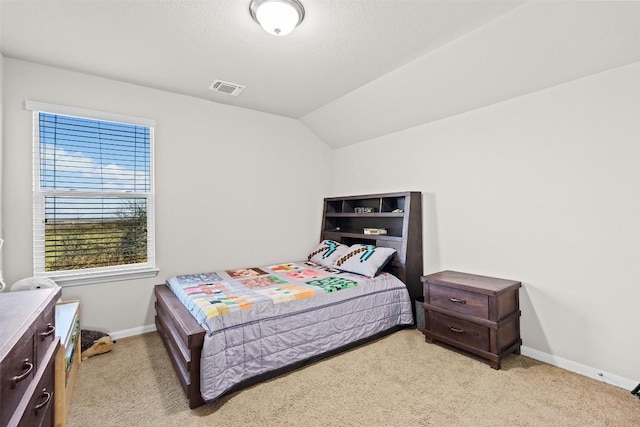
(133, 331)
(579, 368)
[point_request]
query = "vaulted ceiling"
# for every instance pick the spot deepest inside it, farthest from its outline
(352, 70)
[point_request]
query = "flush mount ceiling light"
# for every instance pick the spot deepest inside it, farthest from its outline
(277, 17)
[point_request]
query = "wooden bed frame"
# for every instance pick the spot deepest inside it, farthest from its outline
(183, 337)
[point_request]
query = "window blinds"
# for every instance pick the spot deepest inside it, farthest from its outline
(92, 193)
(93, 155)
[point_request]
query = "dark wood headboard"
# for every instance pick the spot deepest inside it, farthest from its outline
(345, 218)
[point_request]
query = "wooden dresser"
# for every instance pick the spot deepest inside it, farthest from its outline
(28, 346)
(474, 313)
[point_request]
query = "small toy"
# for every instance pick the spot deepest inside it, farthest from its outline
(94, 342)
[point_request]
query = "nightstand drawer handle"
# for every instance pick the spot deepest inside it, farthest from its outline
(47, 397)
(25, 365)
(50, 329)
(456, 330)
(459, 301)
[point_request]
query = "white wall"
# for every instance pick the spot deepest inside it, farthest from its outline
(233, 186)
(1, 159)
(534, 46)
(543, 189)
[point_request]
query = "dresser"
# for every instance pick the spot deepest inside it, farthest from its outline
(477, 314)
(28, 347)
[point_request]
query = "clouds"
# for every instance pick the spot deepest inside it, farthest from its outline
(84, 170)
(91, 170)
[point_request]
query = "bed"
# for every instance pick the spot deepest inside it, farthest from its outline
(226, 330)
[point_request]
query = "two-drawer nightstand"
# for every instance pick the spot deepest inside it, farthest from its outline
(474, 313)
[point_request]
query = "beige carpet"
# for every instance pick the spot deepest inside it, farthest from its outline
(397, 381)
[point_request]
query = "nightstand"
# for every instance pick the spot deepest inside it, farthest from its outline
(477, 314)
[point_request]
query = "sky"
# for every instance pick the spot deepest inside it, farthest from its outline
(85, 155)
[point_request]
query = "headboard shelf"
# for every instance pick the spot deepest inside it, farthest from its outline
(344, 220)
(337, 235)
(372, 214)
(387, 202)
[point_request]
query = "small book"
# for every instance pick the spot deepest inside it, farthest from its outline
(375, 231)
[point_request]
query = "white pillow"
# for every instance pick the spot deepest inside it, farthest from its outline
(327, 252)
(367, 260)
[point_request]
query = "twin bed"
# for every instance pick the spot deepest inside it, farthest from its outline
(229, 329)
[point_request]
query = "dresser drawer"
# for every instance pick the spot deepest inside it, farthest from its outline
(458, 300)
(39, 410)
(18, 371)
(45, 332)
(458, 330)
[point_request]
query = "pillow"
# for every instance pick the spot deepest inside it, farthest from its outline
(327, 252)
(367, 260)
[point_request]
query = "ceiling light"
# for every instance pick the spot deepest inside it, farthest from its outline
(277, 17)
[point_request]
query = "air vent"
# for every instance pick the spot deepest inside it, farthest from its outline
(226, 87)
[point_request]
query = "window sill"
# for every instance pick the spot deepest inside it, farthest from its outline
(79, 279)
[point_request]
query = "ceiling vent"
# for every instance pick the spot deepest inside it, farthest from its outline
(226, 87)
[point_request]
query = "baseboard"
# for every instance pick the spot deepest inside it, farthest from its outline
(579, 368)
(133, 331)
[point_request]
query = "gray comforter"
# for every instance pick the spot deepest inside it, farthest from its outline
(264, 318)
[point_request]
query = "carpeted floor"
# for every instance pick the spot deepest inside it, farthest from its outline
(397, 381)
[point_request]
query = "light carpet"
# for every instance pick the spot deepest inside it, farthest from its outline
(398, 380)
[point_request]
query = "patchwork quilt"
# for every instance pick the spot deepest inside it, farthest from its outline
(263, 318)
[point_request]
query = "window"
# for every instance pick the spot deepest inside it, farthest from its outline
(93, 206)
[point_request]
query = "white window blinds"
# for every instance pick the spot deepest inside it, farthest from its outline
(93, 197)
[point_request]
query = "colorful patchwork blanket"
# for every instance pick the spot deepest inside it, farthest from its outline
(261, 319)
(226, 298)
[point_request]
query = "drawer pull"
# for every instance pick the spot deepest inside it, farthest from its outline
(25, 365)
(47, 397)
(50, 329)
(456, 330)
(458, 301)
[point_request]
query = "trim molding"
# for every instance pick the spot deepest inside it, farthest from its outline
(81, 279)
(133, 331)
(83, 112)
(578, 368)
